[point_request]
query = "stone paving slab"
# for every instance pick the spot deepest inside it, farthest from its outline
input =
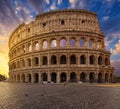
(58, 96)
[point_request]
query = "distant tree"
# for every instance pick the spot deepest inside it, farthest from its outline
(2, 77)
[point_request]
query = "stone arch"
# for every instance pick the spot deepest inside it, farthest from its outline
(106, 61)
(18, 64)
(45, 60)
(72, 59)
(72, 77)
(29, 62)
(92, 59)
(63, 77)
(100, 59)
(18, 78)
(22, 63)
(36, 46)
(99, 44)
(29, 78)
(29, 47)
(91, 76)
(82, 42)
(63, 59)
(23, 49)
(106, 77)
(53, 60)
(36, 61)
(53, 43)
(54, 77)
(83, 77)
(111, 75)
(72, 42)
(45, 44)
(91, 43)
(23, 78)
(36, 77)
(44, 76)
(82, 59)
(99, 77)
(63, 42)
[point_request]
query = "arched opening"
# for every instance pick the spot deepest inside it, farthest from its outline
(62, 22)
(90, 43)
(111, 77)
(72, 42)
(23, 78)
(53, 77)
(45, 61)
(99, 77)
(29, 47)
(18, 78)
(72, 59)
(91, 77)
(37, 46)
(18, 64)
(62, 42)
(23, 63)
(23, 49)
(92, 60)
(36, 61)
(45, 44)
(106, 77)
(44, 77)
(83, 77)
(53, 43)
(82, 59)
(63, 77)
(82, 42)
(36, 77)
(53, 60)
(106, 61)
(72, 77)
(29, 62)
(63, 59)
(29, 78)
(100, 60)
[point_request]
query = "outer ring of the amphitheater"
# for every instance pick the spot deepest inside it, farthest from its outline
(73, 62)
(22, 74)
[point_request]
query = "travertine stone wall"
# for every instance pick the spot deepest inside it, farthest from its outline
(63, 45)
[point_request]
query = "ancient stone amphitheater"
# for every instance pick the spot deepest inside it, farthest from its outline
(60, 46)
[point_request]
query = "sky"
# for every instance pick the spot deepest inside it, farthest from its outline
(15, 12)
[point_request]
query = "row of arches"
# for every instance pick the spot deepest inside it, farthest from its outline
(54, 43)
(83, 59)
(63, 77)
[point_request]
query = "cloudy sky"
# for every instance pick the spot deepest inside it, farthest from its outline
(15, 12)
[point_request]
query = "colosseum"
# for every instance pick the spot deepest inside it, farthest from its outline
(60, 46)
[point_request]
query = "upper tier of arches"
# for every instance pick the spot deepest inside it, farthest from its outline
(64, 20)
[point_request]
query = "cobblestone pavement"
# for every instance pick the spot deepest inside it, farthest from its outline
(58, 96)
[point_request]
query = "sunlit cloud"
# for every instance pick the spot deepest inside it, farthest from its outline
(47, 1)
(59, 2)
(53, 6)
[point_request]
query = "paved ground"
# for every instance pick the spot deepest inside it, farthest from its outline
(58, 96)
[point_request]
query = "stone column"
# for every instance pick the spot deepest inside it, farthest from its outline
(40, 79)
(87, 76)
(67, 76)
(49, 77)
(58, 77)
(96, 76)
(26, 78)
(32, 77)
(78, 76)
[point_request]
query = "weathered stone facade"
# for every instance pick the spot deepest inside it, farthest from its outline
(59, 46)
